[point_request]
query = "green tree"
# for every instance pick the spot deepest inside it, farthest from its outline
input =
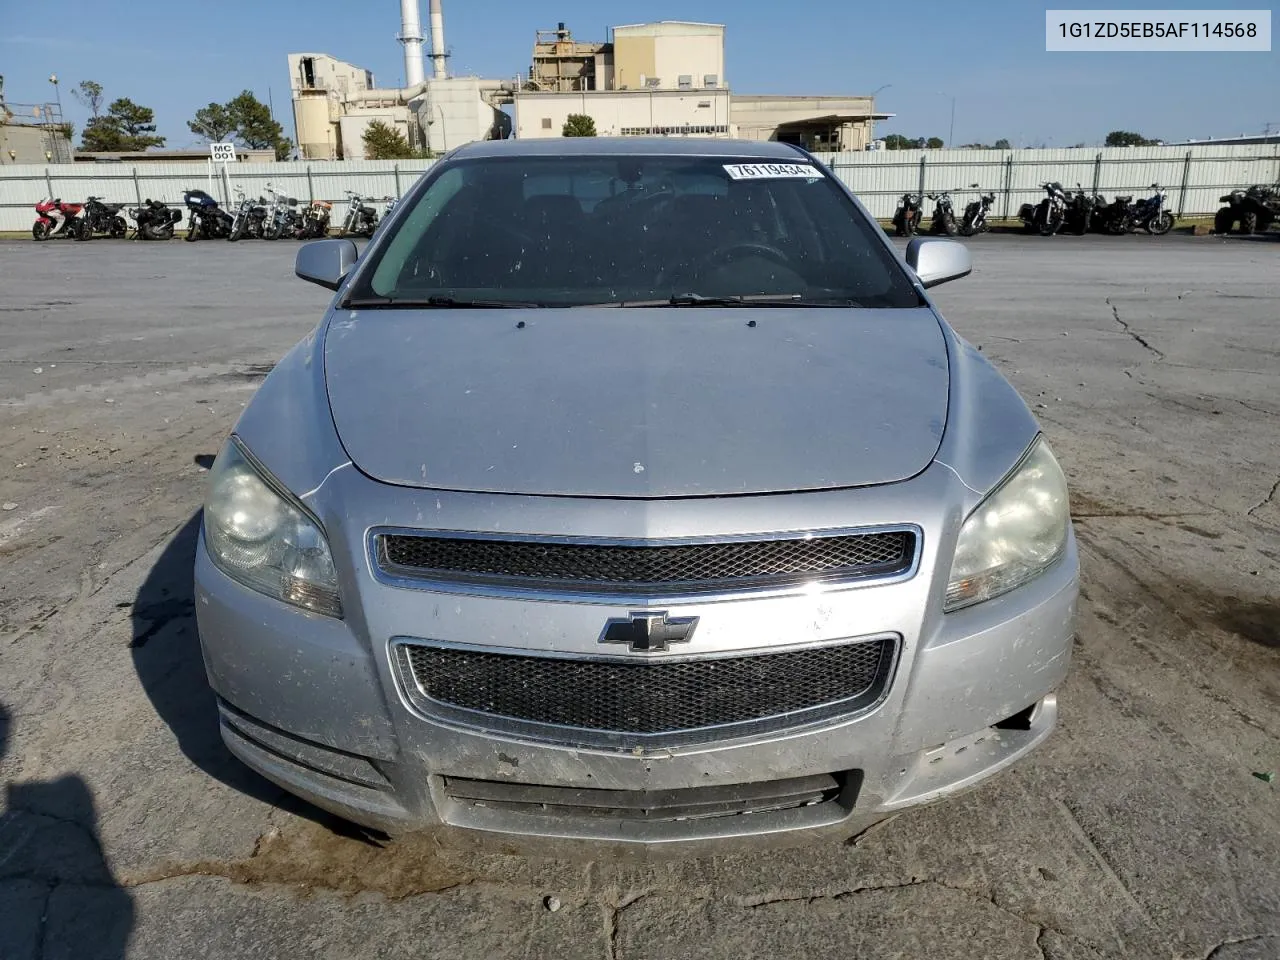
(213, 122)
(89, 93)
(384, 142)
(934, 143)
(1001, 144)
(1126, 138)
(126, 126)
(896, 141)
(253, 124)
(578, 125)
(284, 147)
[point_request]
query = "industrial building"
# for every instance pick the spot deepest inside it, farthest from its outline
(647, 79)
(33, 133)
(334, 102)
(668, 79)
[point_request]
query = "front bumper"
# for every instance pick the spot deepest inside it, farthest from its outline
(316, 706)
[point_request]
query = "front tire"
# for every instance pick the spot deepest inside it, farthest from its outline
(1161, 225)
(118, 228)
(39, 231)
(83, 231)
(1224, 220)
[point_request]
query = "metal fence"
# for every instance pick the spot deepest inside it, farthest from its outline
(1195, 177)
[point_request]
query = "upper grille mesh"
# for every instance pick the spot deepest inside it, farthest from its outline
(672, 568)
(647, 697)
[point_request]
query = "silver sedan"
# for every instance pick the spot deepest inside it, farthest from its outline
(634, 491)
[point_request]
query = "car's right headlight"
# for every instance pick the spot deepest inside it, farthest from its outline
(1015, 534)
(259, 535)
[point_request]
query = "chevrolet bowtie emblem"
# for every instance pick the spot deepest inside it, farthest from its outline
(649, 632)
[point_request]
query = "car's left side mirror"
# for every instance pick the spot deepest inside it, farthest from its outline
(326, 262)
(937, 261)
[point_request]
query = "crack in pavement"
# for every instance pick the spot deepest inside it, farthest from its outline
(612, 913)
(1115, 313)
(987, 898)
(1231, 941)
(1275, 489)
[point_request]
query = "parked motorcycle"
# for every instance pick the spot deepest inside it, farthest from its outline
(906, 219)
(248, 218)
(975, 214)
(1047, 216)
(282, 215)
(944, 214)
(205, 219)
(154, 220)
(314, 222)
(1081, 208)
(57, 219)
(100, 217)
(1114, 218)
(361, 219)
(1150, 214)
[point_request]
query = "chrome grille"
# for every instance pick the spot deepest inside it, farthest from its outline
(640, 568)
(628, 701)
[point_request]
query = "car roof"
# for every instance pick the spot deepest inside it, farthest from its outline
(648, 146)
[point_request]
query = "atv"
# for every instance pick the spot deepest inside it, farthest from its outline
(1253, 210)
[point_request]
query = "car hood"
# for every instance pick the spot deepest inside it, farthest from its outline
(638, 402)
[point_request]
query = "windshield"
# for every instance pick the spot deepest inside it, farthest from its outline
(626, 229)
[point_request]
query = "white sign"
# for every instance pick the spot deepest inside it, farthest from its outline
(223, 152)
(771, 171)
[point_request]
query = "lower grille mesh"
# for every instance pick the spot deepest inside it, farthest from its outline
(644, 699)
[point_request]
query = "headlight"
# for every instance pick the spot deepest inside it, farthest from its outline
(1015, 534)
(259, 535)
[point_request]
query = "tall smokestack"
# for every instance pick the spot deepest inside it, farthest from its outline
(411, 37)
(437, 39)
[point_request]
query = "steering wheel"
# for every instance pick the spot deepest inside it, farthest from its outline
(730, 252)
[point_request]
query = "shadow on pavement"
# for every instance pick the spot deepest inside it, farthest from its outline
(58, 896)
(166, 655)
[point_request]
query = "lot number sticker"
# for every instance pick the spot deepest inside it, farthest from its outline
(223, 152)
(771, 171)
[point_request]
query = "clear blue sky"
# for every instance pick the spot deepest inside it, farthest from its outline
(176, 57)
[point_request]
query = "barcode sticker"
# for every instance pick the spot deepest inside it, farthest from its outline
(771, 171)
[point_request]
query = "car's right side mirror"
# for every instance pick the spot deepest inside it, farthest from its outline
(937, 261)
(326, 262)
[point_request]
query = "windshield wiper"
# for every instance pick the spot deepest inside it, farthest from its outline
(740, 300)
(436, 303)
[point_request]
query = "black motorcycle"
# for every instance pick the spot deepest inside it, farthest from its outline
(361, 219)
(1047, 216)
(944, 214)
(102, 217)
(248, 218)
(975, 214)
(906, 219)
(1114, 218)
(1081, 209)
(205, 219)
(314, 222)
(1150, 214)
(154, 220)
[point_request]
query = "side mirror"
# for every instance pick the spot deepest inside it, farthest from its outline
(937, 261)
(326, 262)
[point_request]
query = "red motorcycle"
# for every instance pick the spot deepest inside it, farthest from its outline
(58, 219)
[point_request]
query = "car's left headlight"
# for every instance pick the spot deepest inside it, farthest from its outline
(262, 536)
(1015, 534)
